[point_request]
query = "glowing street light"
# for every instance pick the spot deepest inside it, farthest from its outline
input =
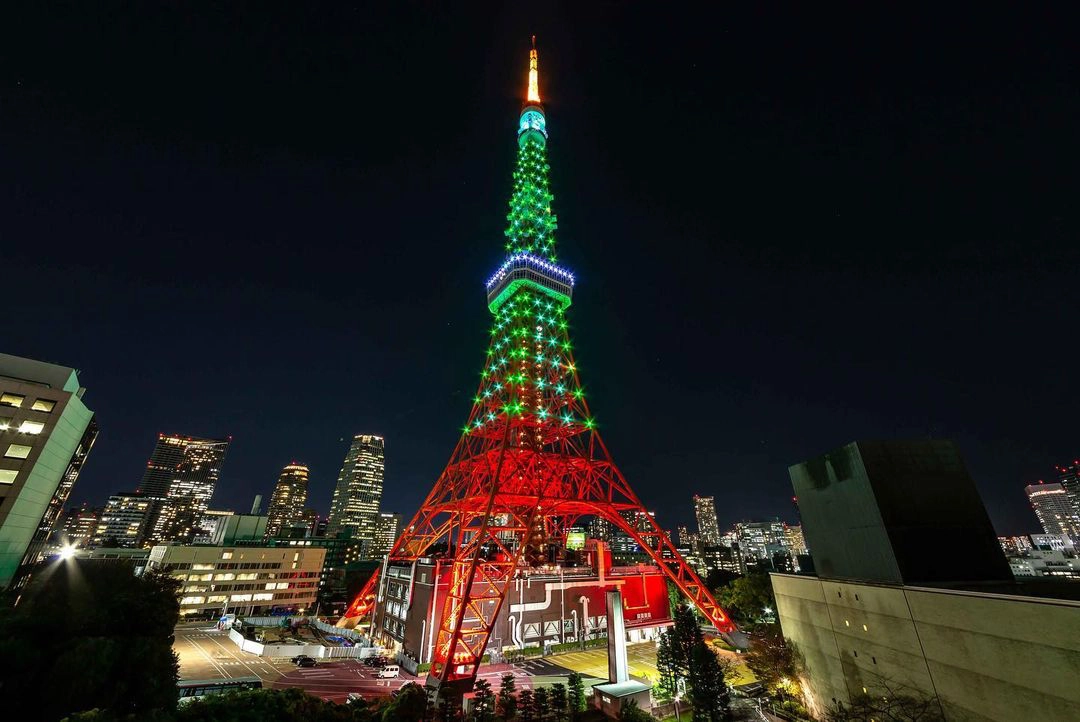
(67, 552)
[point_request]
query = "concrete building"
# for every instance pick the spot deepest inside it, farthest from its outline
(126, 519)
(708, 526)
(212, 526)
(891, 615)
(761, 539)
(1069, 478)
(1045, 563)
(183, 470)
(287, 502)
(245, 580)
(354, 507)
(1054, 509)
(46, 432)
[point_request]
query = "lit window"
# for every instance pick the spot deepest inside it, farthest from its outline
(31, 427)
(193, 600)
(17, 451)
(11, 400)
(263, 597)
(7, 476)
(43, 405)
(5, 422)
(226, 555)
(864, 628)
(241, 598)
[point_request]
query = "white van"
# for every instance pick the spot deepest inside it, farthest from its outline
(390, 670)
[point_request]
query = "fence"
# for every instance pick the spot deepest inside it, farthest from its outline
(292, 650)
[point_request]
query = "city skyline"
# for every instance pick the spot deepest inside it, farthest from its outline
(394, 206)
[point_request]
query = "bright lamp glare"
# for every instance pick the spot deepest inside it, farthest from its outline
(67, 552)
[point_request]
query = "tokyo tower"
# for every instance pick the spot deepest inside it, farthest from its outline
(530, 461)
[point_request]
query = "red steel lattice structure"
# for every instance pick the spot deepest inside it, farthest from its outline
(530, 461)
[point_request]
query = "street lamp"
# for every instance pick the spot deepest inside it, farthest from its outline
(67, 552)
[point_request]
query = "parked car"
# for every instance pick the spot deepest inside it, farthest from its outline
(297, 658)
(353, 698)
(390, 670)
(306, 662)
(376, 661)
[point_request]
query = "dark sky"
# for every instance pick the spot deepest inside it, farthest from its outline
(790, 231)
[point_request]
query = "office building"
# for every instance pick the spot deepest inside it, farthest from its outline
(914, 595)
(708, 527)
(1069, 478)
(599, 528)
(211, 526)
(287, 502)
(46, 432)
(1054, 509)
(340, 553)
(125, 521)
(354, 507)
(246, 580)
(184, 471)
(761, 539)
(80, 525)
(314, 523)
(387, 530)
(794, 540)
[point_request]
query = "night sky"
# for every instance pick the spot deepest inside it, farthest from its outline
(790, 231)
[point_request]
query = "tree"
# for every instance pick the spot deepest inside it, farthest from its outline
(630, 712)
(541, 705)
(773, 660)
(675, 652)
(527, 706)
(558, 701)
(507, 699)
(483, 702)
(709, 692)
(747, 597)
(90, 635)
(890, 702)
(408, 704)
(576, 693)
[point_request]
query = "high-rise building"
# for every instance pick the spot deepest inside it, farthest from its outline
(708, 527)
(314, 523)
(358, 494)
(287, 502)
(761, 539)
(1069, 478)
(794, 540)
(1054, 509)
(387, 529)
(46, 431)
(184, 470)
(126, 519)
(80, 525)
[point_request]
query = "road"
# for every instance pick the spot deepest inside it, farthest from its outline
(206, 653)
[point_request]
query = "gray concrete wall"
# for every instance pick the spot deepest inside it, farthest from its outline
(987, 657)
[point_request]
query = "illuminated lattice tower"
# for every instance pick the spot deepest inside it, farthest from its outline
(529, 462)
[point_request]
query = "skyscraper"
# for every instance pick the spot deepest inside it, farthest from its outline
(1069, 478)
(708, 527)
(46, 431)
(287, 502)
(358, 494)
(1054, 508)
(387, 529)
(127, 518)
(184, 470)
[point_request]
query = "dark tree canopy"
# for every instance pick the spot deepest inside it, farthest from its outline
(90, 635)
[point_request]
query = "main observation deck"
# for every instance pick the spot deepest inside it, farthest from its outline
(524, 269)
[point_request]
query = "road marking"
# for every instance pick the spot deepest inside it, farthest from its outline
(217, 668)
(233, 655)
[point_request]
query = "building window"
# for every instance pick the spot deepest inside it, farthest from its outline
(43, 405)
(12, 400)
(864, 628)
(17, 451)
(5, 422)
(31, 427)
(7, 476)
(226, 555)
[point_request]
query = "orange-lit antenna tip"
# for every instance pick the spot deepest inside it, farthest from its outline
(534, 83)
